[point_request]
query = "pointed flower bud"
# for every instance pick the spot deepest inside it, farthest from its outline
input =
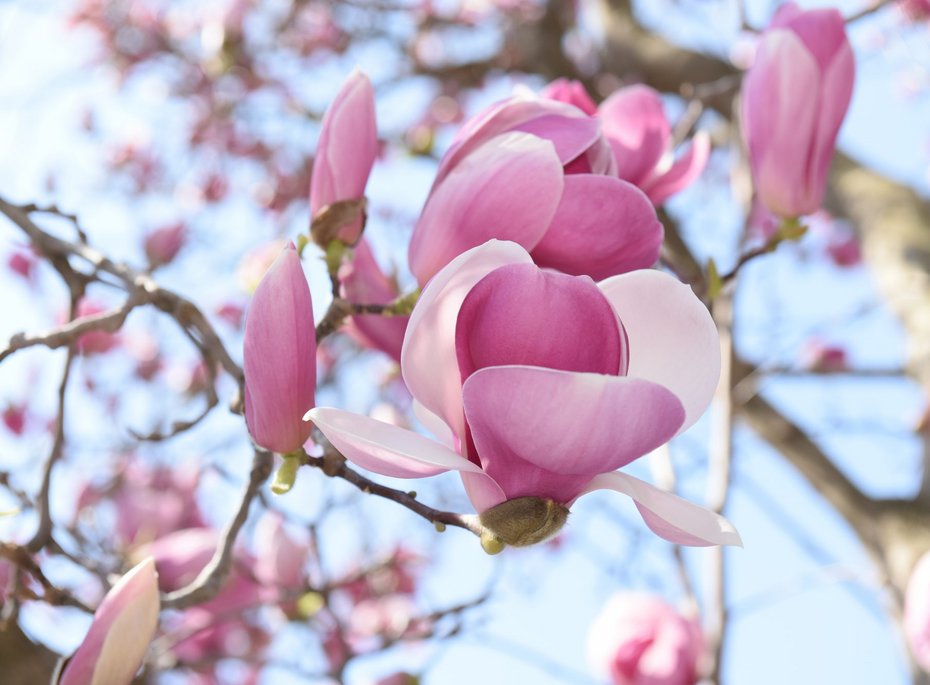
(123, 626)
(280, 356)
(346, 151)
(163, 244)
(794, 99)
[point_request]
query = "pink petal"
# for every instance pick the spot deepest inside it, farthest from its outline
(673, 339)
(434, 424)
(683, 171)
(544, 432)
(603, 226)
(507, 189)
(571, 92)
(483, 492)
(822, 31)
(520, 314)
(385, 448)
(633, 120)
(669, 516)
(119, 636)
(347, 147)
(428, 358)
(834, 96)
(570, 130)
(363, 282)
(779, 126)
(279, 355)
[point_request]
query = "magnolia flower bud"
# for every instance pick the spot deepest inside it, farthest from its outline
(123, 626)
(279, 352)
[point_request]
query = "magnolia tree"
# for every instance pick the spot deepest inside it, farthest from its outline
(272, 268)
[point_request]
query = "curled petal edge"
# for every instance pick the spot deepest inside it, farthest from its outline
(669, 516)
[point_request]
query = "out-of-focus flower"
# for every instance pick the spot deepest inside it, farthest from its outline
(794, 99)
(22, 264)
(123, 626)
(843, 247)
(346, 151)
(94, 342)
(539, 385)
(14, 418)
(232, 313)
(917, 612)
(915, 9)
(149, 502)
(399, 679)
(163, 244)
(280, 559)
(363, 282)
(638, 639)
(817, 355)
(279, 356)
(539, 173)
(256, 263)
(634, 123)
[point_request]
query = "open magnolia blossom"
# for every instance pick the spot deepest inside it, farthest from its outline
(537, 172)
(539, 386)
(633, 121)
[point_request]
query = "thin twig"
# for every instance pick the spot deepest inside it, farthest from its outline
(334, 466)
(208, 583)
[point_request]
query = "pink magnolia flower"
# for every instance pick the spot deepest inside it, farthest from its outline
(634, 123)
(279, 356)
(163, 244)
(794, 100)
(539, 173)
(123, 626)
(540, 385)
(638, 639)
(363, 282)
(917, 612)
(346, 151)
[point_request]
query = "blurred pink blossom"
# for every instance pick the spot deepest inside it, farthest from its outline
(638, 639)
(163, 244)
